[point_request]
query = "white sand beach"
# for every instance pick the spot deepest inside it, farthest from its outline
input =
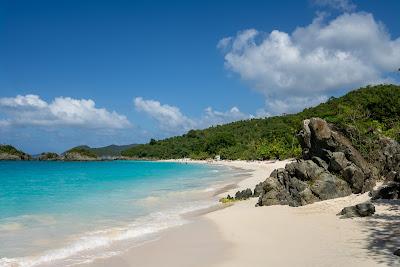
(245, 235)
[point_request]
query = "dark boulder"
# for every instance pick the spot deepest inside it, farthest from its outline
(244, 194)
(397, 252)
(301, 183)
(258, 190)
(304, 170)
(387, 156)
(387, 191)
(338, 161)
(387, 163)
(328, 186)
(273, 193)
(355, 177)
(320, 162)
(359, 210)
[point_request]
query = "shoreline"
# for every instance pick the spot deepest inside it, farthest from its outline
(240, 234)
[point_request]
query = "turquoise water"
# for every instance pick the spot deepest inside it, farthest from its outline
(65, 213)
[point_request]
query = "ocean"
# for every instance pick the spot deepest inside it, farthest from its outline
(68, 213)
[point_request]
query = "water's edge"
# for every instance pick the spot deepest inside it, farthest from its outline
(111, 242)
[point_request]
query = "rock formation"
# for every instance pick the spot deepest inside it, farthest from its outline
(49, 156)
(389, 190)
(244, 194)
(387, 163)
(76, 156)
(387, 158)
(359, 210)
(330, 167)
(8, 152)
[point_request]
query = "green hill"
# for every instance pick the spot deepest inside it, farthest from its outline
(362, 115)
(107, 151)
(8, 152)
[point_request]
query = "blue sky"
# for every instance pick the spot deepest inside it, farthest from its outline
(104, 72)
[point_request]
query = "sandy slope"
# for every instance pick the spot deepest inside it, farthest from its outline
(311, 235)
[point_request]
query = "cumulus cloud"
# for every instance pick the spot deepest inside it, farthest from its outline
(172, 120)
(214, 117)
(315, 61)
(291, 104)
(31, 110)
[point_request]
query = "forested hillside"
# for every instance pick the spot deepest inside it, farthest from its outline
(106, 151)
(362, 115)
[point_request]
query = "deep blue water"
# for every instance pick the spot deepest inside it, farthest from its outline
(69, 211)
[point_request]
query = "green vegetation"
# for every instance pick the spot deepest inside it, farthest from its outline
(7, 149)
(228, 199)
(107, 151)
(82, 151)
(49, 155)
(362, 115)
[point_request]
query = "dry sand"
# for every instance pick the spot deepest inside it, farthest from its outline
(243, 235)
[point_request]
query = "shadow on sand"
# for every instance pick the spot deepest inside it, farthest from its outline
(383, 232)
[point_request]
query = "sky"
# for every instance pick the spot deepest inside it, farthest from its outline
(122, 72)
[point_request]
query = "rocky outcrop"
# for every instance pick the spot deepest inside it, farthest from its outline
(330, 167)
(301, 183)
(387, 162)
(244, 194)
(8, 152)
(387, 158)
(390, 190)
(7, 156)
(319, 139)
(359, 210)
(258, 189)
(49, 156)
(75, 156)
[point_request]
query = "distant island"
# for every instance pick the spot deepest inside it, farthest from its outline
(8, 152)
(79, 153)
(362, 115)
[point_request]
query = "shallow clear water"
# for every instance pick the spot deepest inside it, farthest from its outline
(72, 212)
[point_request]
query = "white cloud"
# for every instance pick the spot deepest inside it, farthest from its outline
(31, 101)
(291, 104)
(214, 117)
(224, 42)
(342, 5)
(314, 61)
(31, 110)
(172, 120)
(169, 117)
